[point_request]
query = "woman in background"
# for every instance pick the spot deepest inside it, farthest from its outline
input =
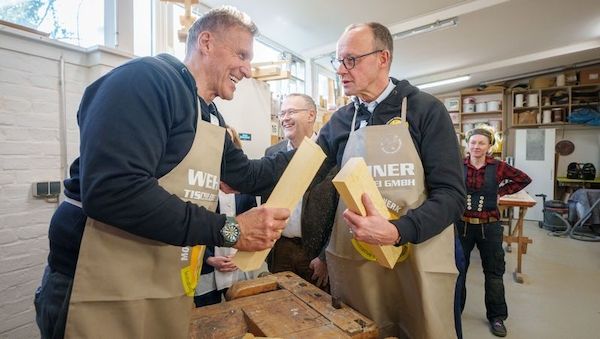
(486, 180)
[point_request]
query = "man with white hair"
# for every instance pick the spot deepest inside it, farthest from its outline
(391, 122)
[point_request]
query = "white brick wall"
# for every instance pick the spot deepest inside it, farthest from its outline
(30, 152)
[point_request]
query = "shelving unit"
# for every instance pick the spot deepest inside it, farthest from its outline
(464, 121)
(492, 118)
(555, 105)
(452, 103)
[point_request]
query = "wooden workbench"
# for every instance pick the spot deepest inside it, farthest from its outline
(523, 201)
(281, 305)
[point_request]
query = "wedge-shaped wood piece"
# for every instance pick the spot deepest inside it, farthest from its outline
(251, 287)
(351, 182)
(287, 193)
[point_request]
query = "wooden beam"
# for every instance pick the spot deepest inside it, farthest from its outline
(287, 193)
(351, 182)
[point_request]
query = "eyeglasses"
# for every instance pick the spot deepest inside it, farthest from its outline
(349, 62)
(290, 112)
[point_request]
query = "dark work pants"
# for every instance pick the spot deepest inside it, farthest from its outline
(488, 238)
(52, 303)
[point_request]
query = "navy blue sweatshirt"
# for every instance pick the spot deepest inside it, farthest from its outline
(432, 132)
(137, 123)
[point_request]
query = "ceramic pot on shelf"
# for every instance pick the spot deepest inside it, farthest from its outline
(493, 105)
(481, 107)
(532, 100)
(469, 105)
(519, 100)
(547, 118)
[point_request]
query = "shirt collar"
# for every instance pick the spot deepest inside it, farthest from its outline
(290, 147)
(488, 160)
(371, 105)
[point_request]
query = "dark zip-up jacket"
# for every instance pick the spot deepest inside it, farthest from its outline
(433, 135)
(137, 123)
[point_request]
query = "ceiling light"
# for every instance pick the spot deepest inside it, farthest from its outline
(444, 82)
(434, 26)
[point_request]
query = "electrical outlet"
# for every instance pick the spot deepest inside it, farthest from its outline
(46, 189)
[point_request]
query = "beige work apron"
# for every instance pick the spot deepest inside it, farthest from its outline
(127, 286)
(416, 298)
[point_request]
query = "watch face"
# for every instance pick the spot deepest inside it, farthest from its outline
(230, 233)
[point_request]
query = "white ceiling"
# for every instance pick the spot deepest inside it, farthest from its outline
(494, 39)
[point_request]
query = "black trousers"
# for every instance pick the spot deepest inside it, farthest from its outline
(210, 298)
(488, 238)
(289, 255)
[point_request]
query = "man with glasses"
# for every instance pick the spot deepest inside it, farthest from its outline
(300, 248)
(124, 255)
(407, 138)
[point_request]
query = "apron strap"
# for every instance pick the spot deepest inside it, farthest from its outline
(403, 112)
(354, 118)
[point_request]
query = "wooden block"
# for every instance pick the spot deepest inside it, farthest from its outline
(246, 288)
(287, 193)
(281, 318)
(351, 182)
(346, 319)
(225, 324)
(226, 319)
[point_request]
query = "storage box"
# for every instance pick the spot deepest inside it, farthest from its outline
(542, 82)
(571, 78)
(527, 118)
(589, 76)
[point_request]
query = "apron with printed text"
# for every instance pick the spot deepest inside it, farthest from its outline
(128, 286)
(416, 298)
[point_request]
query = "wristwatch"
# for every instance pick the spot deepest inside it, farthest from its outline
(230, 232)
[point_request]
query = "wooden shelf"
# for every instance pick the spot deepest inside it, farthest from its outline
(486, 112)
(569, 126)
(526, 108)
(525, 125)
(573, 93)
(550, 89)
(560, 125)
(474, 91)
(587, 85)
(520, 90)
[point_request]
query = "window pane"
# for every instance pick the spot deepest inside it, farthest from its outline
(79, 22)
(323, 91)
(264, 53)
(178, 47)
(142, 27)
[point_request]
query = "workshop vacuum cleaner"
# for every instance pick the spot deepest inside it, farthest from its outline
(554, 210)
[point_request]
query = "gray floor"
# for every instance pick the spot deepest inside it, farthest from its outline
(559, 299)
